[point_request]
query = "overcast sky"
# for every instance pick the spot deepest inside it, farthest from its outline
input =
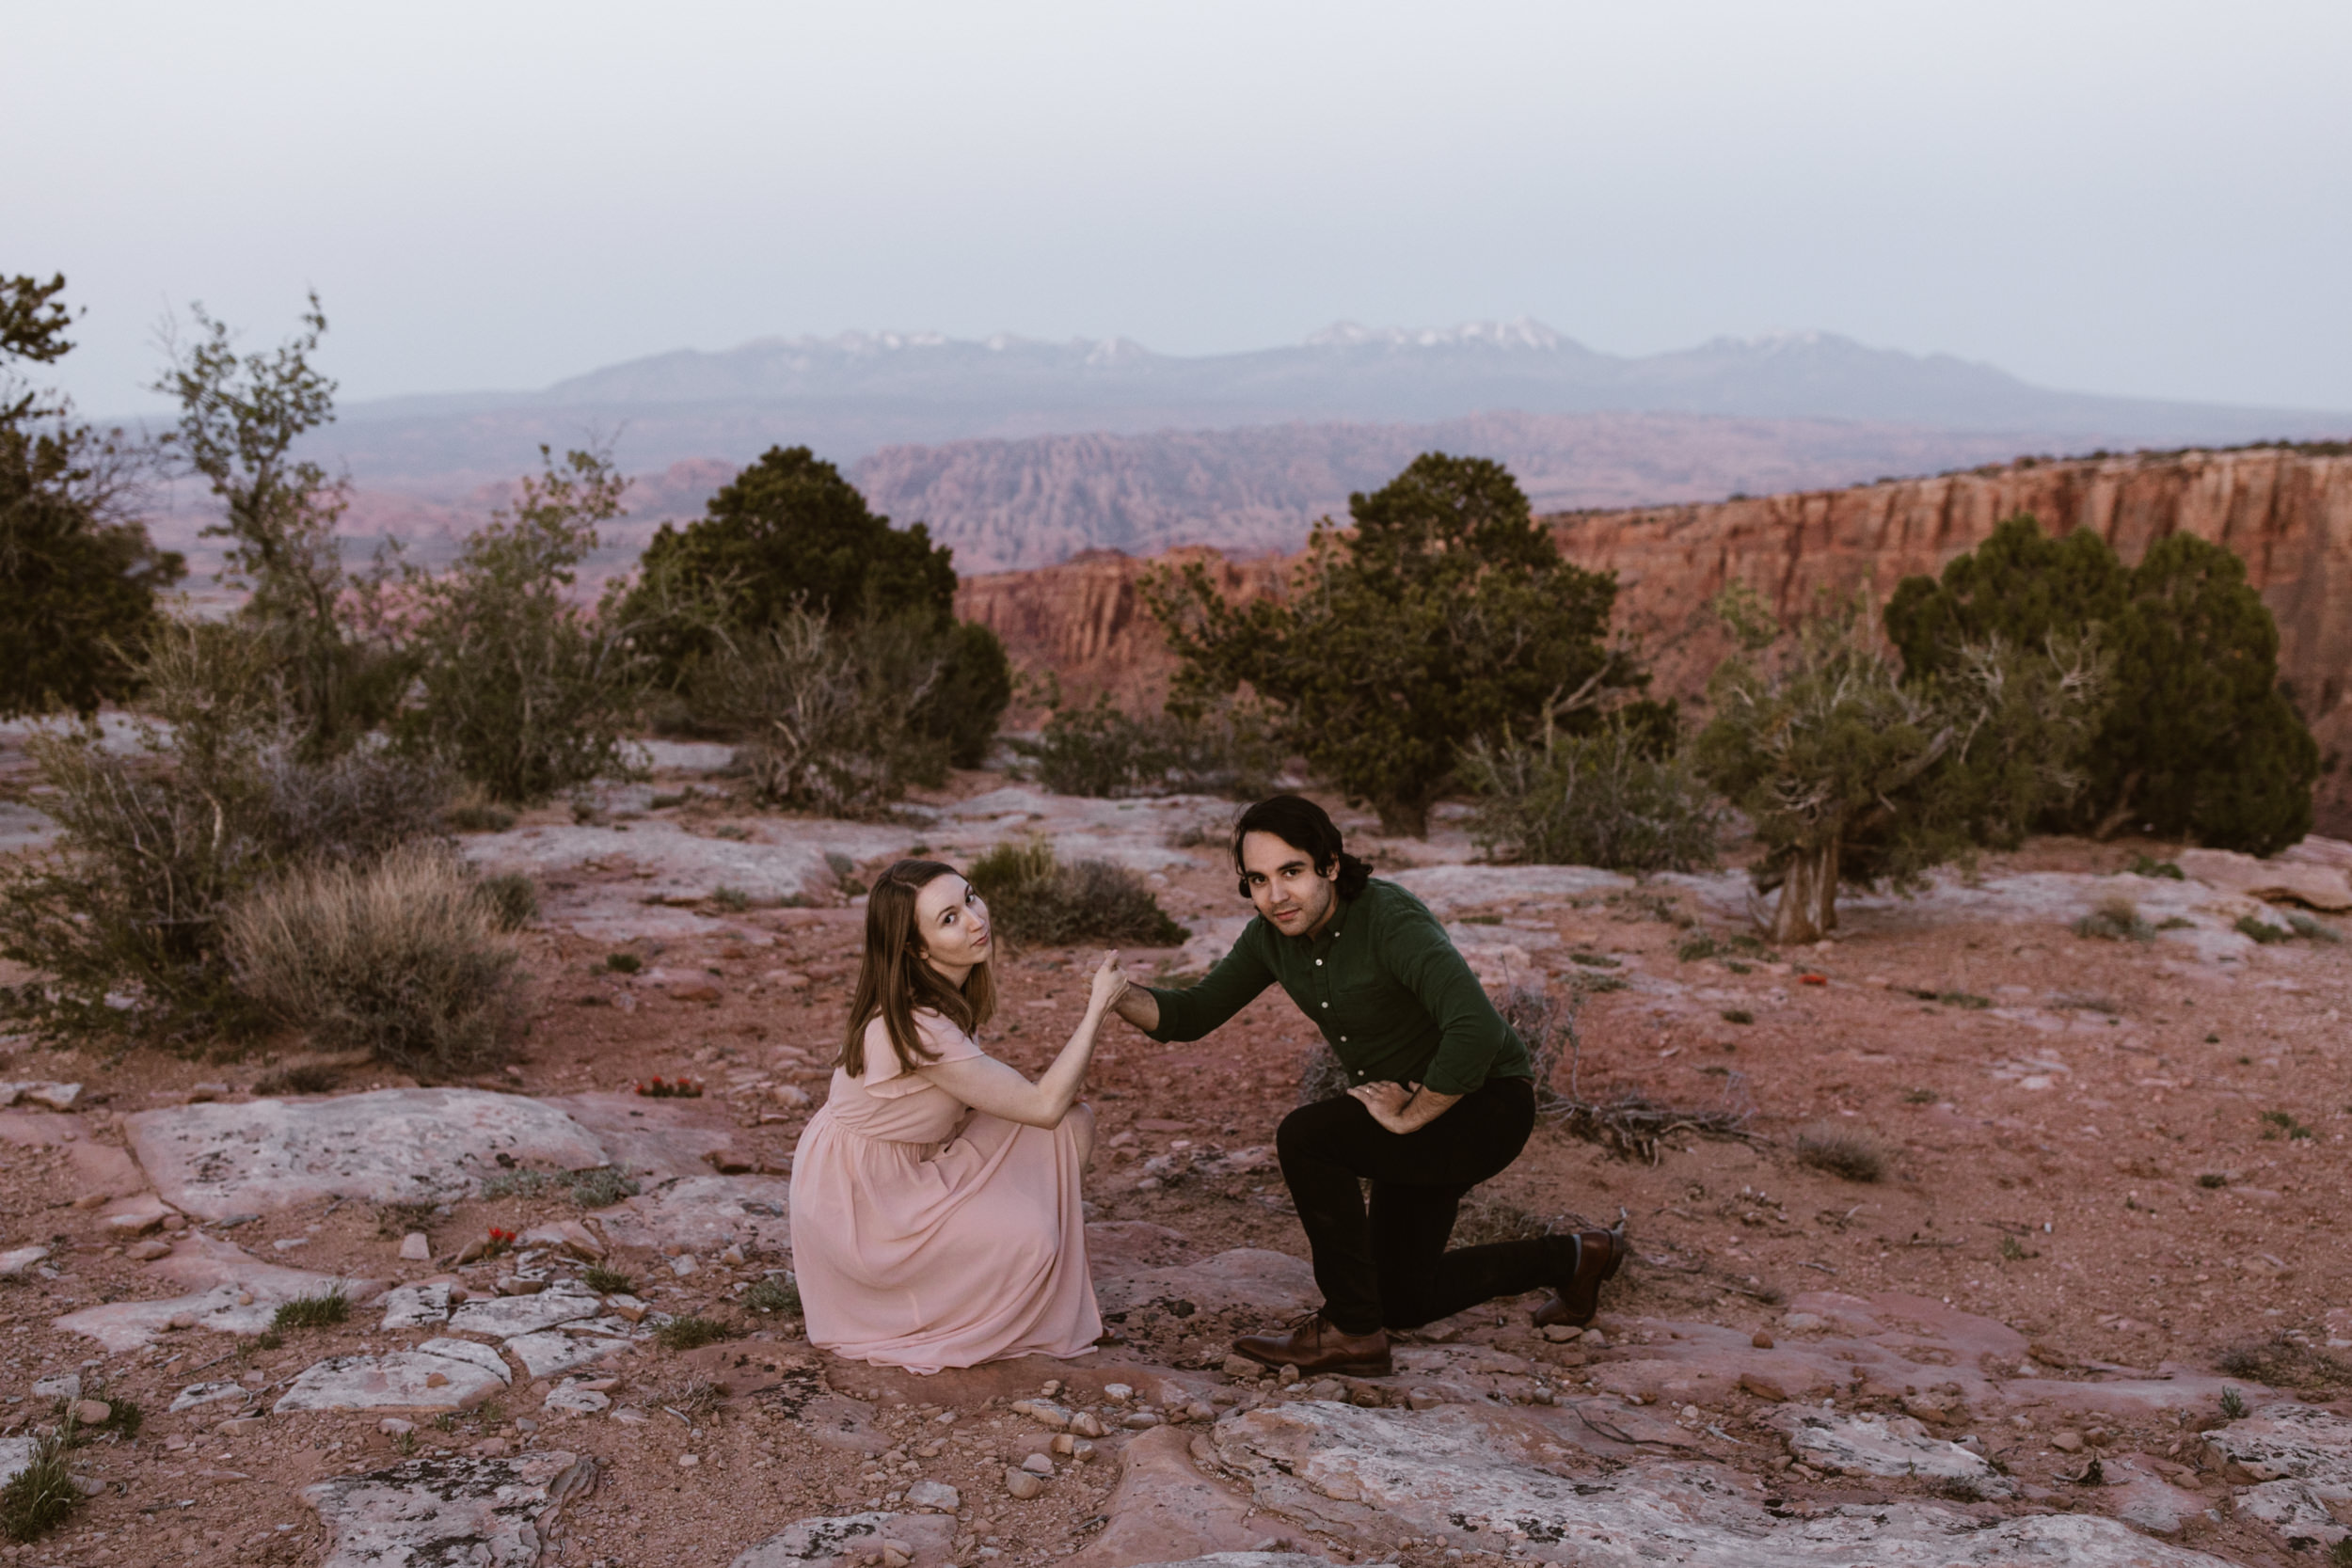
(2123, 197)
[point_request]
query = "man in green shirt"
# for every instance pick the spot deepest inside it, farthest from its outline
(1441, 1097)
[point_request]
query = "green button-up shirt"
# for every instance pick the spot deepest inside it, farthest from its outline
(1382, 982)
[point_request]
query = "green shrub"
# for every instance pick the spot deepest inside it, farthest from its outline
(732, 899)
(124, 917)
(517, 686)
(325, 1310)
(824, 715)
(400, 958)
(78, 578)
(2262, 930)
(1445, 613)
(607, 1282)
(623, 963)
(1103, 751)
(1603, 799)
(2200, 741)
(1034, 900)
(2143, 865)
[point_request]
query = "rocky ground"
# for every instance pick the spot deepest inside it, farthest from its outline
(2091, 1311)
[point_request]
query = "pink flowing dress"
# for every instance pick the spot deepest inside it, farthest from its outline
(927, 1234)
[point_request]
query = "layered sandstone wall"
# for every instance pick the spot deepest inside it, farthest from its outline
(2287, 512)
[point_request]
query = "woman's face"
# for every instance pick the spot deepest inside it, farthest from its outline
(953, 922)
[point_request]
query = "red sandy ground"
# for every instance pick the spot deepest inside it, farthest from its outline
(2138, 1264)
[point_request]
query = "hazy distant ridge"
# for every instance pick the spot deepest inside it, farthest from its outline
(851, 395)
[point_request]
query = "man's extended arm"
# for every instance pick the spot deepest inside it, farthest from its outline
(1190, 1013)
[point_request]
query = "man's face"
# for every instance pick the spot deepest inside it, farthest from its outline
(1285, 886)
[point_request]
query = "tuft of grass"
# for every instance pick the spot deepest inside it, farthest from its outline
(2212, 1181)
(124, 1417)
(2233, 1403)
(1845, 1154)
(692, 1333)
(404, 1444)
(2339, 1555)
(602, 1187)
(2143, 865)
(1594, 960)
(2262, 930)
(607, 1282)
(623, 963)
(300, 1078)
(2013, 1250)
(732, 899)
(1919, 1097)
(325, 1310)
(1037, 901)
(42, 1496)
(2176, 923)
(693, 1397)
(1694, 948)
(775, 1293)
(512, 898)
(1738, 1015)
(1967, 999)
(2115, 919)
(399, 958)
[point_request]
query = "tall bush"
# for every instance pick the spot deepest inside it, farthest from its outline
(788, 535)
(1102, 751)
(823, 716)
(1852, 775)
(2200, 740)
(1446, 614)
(523, 692)
(1605, 799)
(78, 573)
(402, 958)
(240, 418)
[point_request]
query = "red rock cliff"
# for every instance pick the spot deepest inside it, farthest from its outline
(2287, 512)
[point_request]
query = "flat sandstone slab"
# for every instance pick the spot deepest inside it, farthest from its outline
(391, 1146)
(492, 1512)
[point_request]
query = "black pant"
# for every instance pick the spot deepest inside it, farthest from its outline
(1393, 1271)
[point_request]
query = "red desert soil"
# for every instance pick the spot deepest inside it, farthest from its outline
(2100, 1176)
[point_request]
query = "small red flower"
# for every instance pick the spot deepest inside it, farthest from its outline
(1813, 979)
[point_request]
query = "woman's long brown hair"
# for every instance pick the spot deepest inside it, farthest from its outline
(895, 982)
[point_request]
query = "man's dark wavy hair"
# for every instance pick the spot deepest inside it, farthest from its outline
(1307, 829)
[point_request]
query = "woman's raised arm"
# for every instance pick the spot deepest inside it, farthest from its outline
(988, 1084)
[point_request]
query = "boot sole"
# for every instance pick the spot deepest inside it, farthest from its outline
(1385, 1367)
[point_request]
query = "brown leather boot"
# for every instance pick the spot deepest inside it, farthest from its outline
(1316, 1346)
(1598, 1256)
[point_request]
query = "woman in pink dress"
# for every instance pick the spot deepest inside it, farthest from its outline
(936, 1220)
